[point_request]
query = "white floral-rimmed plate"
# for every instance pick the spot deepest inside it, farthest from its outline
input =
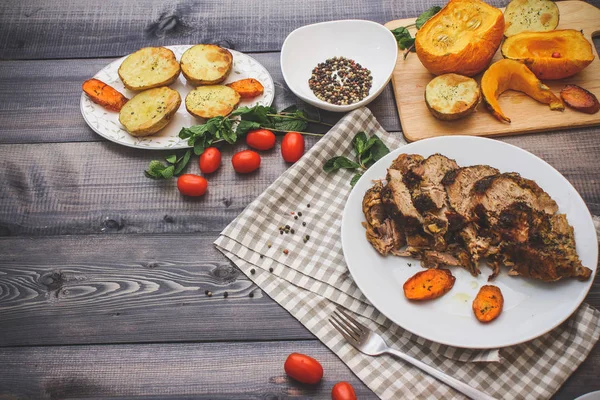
(106, 123)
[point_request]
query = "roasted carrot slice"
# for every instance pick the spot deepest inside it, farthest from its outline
(103, 94)
(247, 88)
(429, 284)
(488, 303)
(580, 99)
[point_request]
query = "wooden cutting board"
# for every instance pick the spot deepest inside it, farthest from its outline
(410, 78)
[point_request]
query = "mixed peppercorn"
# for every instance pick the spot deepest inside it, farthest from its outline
(340, 81)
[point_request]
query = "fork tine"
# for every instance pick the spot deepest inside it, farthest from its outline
(353, 320)
(347, 324)
(349, 336)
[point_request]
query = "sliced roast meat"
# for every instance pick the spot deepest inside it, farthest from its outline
(430, 194)
(493, 194)
(458, 184)
(398, 203)
(381, 230)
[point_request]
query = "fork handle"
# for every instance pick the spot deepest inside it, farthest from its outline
(447, 379)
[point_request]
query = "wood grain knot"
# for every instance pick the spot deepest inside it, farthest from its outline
(225, 273)
(53, 281)
(150, 265)
(112, 224)
(170, 23)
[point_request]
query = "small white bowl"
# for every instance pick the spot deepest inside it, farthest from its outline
(368, 43)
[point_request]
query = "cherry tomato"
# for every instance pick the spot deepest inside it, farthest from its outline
(303, 368)
(191, 185)
(245, 161)
(210, 160)
(292, 146)
(261, 139)
(343, 391)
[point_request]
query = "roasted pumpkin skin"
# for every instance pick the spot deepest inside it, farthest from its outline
(510, 74)
(550, 55)
(462, 38)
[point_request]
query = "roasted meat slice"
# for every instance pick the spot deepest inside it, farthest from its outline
(382, 231)
(458, 184)
(492, 194)
(399, 205)
(430, 194)
(538, 245)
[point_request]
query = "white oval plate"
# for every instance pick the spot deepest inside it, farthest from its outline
(106, 123)
(531, 308)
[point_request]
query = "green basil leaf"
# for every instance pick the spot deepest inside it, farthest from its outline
(172, 159)
(359, 142)
(288, 124)
(377, 151)
(244, 127)
(403, 37)
(155, 170)
(339, 162)
(421, 19)
(406, 43)
(199, 147)
(167, 173)
(183, 162)
(355, 179)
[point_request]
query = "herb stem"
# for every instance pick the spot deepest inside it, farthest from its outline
(302, 133)
(285, 115)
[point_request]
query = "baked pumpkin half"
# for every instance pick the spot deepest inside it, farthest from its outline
(510, 74)
(462, 38)
(550, 55)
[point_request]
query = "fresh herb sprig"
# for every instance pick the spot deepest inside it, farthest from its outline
(241, 121)
(175, 165)
(405, 40)
(229, 129)
(368, 150)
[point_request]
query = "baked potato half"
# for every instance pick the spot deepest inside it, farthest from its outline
(530, 16)
(206, 64)
(452, 96)
(211, 101)
(148, 68)
(149, 111)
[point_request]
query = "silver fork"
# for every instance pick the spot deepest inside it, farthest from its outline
(370, 343)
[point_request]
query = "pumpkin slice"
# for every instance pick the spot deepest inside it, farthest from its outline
(509, 74)
(452, 96)
(462, 38)
(550, 55)
(530, 15)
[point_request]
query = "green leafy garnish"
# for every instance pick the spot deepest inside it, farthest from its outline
(405, 40)
(421, 19)
(241, 121)
(368, 151)
(158, 170)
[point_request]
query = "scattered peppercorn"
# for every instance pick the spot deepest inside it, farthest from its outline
(226, 295)
(269, 244)
(286, 251)
(299, 214)
(292, 231)
(261, 256)
(252, 271)
(271, 269)
(340, 81)
(281, 232)
(308, 206)
(304, 224)
(209, 293)
(295, 217)
(206, 292)
(251, 294)
(287, 227)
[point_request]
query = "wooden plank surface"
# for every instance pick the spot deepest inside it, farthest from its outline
(147, 288)
(30, 117)
(99, 187)
(220, 371)
(410, 78)
(33, 29)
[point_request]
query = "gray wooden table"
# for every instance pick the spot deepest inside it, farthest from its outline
(103, 271)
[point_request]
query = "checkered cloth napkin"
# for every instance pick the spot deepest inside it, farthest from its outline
(312, 280)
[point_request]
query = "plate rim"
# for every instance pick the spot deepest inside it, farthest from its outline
(403, 148)
(175, 147)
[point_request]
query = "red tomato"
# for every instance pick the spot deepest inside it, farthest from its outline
(303, 368)
(343, 391)
(245, 161)
(292, 146)
(191, 185)
(210, 160)
(261, 139)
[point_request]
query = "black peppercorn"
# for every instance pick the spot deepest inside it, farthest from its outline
(252, 271)
(271, 269)
(226, 295)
